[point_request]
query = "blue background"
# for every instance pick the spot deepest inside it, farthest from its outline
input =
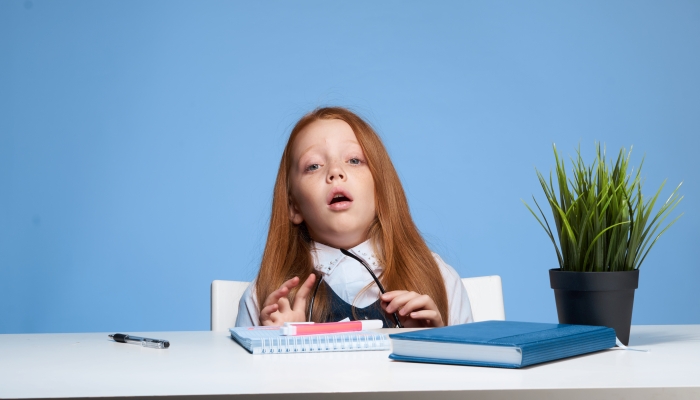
(139, 140)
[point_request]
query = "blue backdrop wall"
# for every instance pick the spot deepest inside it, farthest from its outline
(139, 140)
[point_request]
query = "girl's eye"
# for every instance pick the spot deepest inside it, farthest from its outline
(355, 161)
(312, 167)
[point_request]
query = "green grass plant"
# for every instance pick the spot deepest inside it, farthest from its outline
(602, 220)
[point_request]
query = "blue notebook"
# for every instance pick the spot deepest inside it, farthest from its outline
(505, 344)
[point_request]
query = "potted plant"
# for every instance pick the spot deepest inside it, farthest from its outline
(604, 229)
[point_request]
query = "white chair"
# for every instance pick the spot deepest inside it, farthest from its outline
(485, 295)
(225, 296)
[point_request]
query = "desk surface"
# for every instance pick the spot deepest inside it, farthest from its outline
(81, 365)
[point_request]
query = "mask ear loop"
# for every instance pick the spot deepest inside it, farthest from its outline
(376, 280)
(313, 297)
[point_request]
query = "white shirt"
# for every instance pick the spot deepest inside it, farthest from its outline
(347, 278)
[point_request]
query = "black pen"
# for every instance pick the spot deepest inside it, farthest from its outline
(145, 342)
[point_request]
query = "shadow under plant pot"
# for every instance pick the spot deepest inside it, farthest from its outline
(596, 298)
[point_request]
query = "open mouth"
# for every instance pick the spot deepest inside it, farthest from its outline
(339, 198)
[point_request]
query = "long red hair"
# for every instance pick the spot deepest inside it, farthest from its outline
(407, 261)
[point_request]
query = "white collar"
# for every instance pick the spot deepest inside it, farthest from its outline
(326, 258)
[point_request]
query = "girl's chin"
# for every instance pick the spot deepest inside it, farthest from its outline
(341, 237)
(342, 242)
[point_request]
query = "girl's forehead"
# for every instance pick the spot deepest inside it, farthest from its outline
(324, 134)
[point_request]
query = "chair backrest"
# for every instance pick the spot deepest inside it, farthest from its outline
(225, 296)
(485, 295)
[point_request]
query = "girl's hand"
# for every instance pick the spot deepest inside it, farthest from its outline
(277, 310)
(414, 310)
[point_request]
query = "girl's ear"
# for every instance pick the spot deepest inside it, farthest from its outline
(294, 213)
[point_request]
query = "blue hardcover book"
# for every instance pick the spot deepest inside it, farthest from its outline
(505, 344)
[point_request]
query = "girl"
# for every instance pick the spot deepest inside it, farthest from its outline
(338, 212)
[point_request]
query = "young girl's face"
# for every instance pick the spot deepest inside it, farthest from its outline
(331, 186)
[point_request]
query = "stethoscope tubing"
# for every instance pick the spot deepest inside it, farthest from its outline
(367, 267)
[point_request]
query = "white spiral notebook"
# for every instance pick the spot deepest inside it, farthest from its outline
(268, 340)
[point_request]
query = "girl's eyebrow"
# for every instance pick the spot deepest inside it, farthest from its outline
(303, 153)
(352, 142)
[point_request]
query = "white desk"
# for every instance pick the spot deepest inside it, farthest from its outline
(200, 364)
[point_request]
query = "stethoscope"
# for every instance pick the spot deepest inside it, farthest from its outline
(376, 280)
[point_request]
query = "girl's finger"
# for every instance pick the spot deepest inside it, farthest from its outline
(274, 297)
(284, 305)
(303, 293)
(419, 302)
(266, 314)
(291, 283)
(432, 316)
(282, 291)
(399, 301)
(389, 296)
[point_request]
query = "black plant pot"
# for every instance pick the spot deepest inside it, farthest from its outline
(596, 298)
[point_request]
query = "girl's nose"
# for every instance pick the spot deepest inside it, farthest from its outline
(335, 173)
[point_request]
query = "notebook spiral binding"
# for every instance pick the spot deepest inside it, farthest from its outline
(322, 343)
